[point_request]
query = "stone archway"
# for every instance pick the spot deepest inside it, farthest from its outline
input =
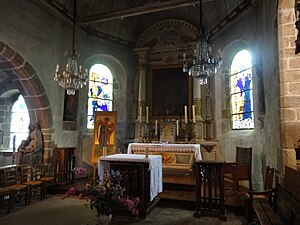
(22, 76)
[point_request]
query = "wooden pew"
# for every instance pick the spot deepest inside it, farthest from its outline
(265, 214)
(288, 197)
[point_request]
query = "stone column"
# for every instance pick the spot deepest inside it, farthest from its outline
(209, 117)
(142, 54)
(198, 111)
(289, 83)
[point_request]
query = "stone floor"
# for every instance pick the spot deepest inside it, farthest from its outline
(54, 210)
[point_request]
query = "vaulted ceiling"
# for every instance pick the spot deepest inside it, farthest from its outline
(125, 20)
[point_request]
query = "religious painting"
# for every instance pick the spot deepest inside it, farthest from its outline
(167, 133)
(170, 92)
(104, 138)
(70, 107)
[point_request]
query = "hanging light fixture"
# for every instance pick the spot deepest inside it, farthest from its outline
(203, 64)
(73, 78)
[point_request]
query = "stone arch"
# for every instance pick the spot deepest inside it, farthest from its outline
(22, 76)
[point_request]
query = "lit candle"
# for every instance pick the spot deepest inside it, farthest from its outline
(140, 116)
(177, 128)
(147, 114)
(67, 67)
(194, 115)
(57, 68)
(185, 114)
(155, 127)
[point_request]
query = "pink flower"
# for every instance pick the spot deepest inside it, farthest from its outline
(80, 171)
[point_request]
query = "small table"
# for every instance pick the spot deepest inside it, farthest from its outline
(141, 176)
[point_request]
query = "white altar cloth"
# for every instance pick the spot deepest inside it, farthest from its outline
(167, 148)
(155, 167)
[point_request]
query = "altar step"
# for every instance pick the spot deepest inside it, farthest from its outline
(179, 177)
(180, 195)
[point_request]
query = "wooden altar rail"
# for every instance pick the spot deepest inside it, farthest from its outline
(210, 199)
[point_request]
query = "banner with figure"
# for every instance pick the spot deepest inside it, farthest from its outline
(104, 139)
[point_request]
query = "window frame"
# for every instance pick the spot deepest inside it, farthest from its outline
(92, 97)
(243, 81)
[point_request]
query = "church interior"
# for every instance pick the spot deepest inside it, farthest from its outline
(209, 88)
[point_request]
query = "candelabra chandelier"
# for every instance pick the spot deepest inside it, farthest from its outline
(73, 78)
(203, 64)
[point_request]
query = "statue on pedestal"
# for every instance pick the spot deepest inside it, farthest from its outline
(31, 150)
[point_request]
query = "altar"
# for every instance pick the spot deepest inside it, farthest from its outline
(179, 178)
(142, 176)
(174, 156)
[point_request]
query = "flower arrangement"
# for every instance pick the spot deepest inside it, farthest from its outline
(106, 195)
(80, 171)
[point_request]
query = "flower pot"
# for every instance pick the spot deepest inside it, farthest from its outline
(105, 219)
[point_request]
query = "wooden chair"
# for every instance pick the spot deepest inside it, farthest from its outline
(237, 176)
(266, 195)
(12, 181)
(6, 194)
(40, 175)
(28, 178)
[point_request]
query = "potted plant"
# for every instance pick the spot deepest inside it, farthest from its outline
(106, 195)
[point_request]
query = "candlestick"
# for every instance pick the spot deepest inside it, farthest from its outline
(147, 153)
(177, 128)
(194, 114)
(104, 151)
(185, 114)
(155, 127)
(147, 114)
(14, 143)
(140, 116)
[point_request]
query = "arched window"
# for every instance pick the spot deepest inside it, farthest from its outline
(100, 96)
(241, 91)
(19, 122)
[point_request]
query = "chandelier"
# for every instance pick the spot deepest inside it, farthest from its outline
(73, 78)
(203, 64)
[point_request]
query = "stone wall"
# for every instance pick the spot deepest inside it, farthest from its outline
(32, 42)
(289, 81)
(256, 32)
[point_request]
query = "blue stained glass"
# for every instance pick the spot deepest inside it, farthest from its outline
(100, 96)
(241, 91)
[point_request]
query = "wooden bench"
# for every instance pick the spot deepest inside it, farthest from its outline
(265, 214)
(288, 196)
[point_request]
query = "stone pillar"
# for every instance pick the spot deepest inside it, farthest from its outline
(142, 54)
(208, 115)
(198, 111)
(142, 89)
(289, 69)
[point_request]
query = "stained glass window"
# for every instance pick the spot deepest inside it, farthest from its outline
(19, 122)
(100, 96)
(241, 91)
